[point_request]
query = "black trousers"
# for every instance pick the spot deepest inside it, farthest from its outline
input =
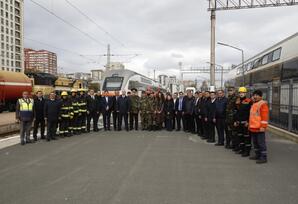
(180, 117)
(133, 120)
(121, 116)
(94, 117)
(115, 119)
(51, 129)
(174, 121)
(243, 139)
(197, 124)
(205, 129)
(220, 128)
(211, 131)
(189, 123)
(169, 124)
(106, 120)
(37, 123)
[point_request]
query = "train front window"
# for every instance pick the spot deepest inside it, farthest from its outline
(113, 83)
(276, 54)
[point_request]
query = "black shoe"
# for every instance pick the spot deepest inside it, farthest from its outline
(53, 138)
(261, 161)
(219, 144)
(48, 139)
(42, 137)
(210, 141)
(228, 147)
(178, 130)
(29, 141)
(23, 142)
(245, 154)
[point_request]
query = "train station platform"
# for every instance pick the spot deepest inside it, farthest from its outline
(139, 167)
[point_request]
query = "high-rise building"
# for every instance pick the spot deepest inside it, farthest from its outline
(41, 61)
(12, 35)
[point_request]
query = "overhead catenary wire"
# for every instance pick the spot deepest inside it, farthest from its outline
(96, 24)
(68, 23)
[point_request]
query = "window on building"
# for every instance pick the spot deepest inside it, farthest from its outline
(276, 54)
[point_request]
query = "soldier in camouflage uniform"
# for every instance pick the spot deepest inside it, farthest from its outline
(151, 106)
(231, 110)
(134, 109)
(143, 109)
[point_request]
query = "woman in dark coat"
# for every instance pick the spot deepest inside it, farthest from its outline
(169, 112)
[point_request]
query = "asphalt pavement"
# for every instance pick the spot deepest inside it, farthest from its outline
(140, 167)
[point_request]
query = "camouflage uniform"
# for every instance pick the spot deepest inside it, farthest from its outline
(143, 109)
(151, 107)
(134, 111)
(230, 129)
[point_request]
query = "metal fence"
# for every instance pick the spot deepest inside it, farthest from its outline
(282, 98)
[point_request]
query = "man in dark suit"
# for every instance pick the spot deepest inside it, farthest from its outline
(123, 107)
(180, 111)
(196, 113)
(114, 110)
(175, 98)
(204, 116)
(188, 107)
(38, 107)
(92, 111)
(210, 118)
(51, 113)
(106, 104)
(221, 106)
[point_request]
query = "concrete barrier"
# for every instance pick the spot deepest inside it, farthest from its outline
(283, 133)
(9, 128)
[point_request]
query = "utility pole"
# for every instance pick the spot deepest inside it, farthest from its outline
(154, 74)
(181, 73)
(212, 46)
(108, 66)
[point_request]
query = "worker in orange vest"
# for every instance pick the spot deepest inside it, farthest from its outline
(258, 122)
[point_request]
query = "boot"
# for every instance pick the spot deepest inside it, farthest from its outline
(261, 161)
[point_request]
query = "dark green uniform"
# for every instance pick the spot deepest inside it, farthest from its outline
(151, 107)
(134, 111)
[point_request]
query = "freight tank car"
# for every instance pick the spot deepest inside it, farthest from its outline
(12, 84)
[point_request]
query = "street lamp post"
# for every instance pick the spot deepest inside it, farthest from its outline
(242, 52)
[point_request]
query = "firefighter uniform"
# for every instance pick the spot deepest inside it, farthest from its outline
(74, 123)
(65, 115)
(243, 139)
(82, 103)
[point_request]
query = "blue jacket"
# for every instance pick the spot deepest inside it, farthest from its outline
(221, 106)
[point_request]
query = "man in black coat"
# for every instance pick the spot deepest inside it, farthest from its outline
(114, 110)
(92, 111)
(188, 107)
(180, 111)
(204, 111)
(221, 106)
(39, 102)
(210, 117)
(196, 112)
(51, 113)
(106, 106)
(123, 107)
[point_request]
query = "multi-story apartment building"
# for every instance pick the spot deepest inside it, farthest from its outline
(12, 38)
(41, 61)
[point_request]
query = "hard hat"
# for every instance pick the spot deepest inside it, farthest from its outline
(64, 93)
(73, 90)
(81, 90)
(242, 90)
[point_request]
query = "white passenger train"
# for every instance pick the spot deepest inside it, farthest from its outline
(275, 72)
(117, 80)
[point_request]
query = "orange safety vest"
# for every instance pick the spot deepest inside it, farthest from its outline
(256, 120)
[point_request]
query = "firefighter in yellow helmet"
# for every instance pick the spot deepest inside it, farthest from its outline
(82, 104)
(74, 123)
(243, 139)
(65, 115)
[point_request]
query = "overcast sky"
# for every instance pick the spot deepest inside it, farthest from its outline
(163, 32)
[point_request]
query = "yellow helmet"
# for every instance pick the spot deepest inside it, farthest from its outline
(73, 90)
(81, 90)
(64, 93)
(242, 90)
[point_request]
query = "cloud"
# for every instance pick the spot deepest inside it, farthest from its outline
(163, 32)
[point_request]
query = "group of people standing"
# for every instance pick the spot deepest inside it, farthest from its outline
(238, 120)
